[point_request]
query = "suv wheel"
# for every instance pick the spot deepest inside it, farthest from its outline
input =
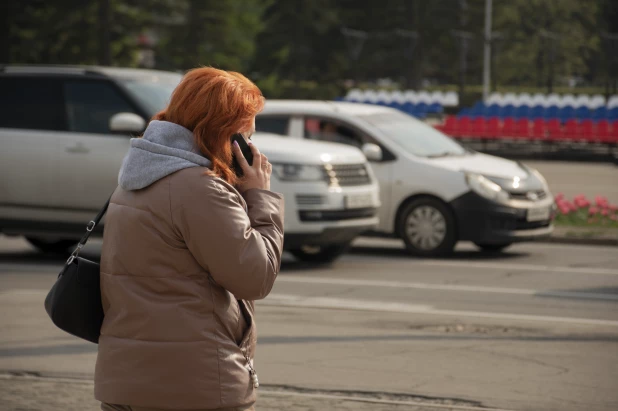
(427, 226)
(51, 246)
(319, 254)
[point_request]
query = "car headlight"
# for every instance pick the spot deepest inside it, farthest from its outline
(486, 188)
(540, 177)
(299, 172)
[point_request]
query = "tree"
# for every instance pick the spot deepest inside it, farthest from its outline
(69, 32)
(555, 37)
(212, 32)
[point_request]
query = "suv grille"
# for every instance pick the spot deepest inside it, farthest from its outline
(336, 215)
(309, 200)
(348, 174)
(529, 195)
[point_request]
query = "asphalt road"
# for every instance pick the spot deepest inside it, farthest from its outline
(535, 328)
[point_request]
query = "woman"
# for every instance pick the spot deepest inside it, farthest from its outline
(187, 248)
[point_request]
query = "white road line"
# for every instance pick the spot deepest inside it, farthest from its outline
(519, 267)
(444, 287)
(364, 305)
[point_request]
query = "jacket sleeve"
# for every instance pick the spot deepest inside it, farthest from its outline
(241, 250)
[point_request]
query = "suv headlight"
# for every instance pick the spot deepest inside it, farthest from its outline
(486, 188)
(299, 172)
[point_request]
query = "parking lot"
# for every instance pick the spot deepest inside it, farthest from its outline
(534, 328)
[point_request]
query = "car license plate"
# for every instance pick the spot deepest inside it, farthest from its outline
(538, 214)
(359, 201)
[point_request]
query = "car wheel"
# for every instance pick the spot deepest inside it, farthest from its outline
(493, 248)
(51, 246)
(427, 226)
(319, 254)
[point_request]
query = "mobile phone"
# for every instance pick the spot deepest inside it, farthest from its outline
(246, 151)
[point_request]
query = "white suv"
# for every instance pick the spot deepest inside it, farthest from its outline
(64, 132)
(434, 192)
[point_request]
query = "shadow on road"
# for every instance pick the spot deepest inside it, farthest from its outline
(291, 264)
(83, 348)
(33, 257)
(39, 258)
(457, 255)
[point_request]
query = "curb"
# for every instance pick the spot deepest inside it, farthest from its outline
(580, 240)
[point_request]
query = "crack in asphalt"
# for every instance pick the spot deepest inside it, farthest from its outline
(563, 370)
(274, 389)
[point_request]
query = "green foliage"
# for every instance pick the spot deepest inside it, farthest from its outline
(213, 33)
(297, 48)
(541, 34)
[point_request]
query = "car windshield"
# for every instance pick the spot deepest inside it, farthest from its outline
(152, 92)
(413, 135)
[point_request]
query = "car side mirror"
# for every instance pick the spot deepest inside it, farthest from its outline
(373, 152)
(126, 123)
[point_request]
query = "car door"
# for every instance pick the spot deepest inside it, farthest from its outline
(94, 155)
(32, 141)
(339, 131)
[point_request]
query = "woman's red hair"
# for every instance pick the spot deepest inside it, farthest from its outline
(214, 104)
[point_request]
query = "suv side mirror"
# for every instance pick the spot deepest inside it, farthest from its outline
(126, 123)
(373, 152)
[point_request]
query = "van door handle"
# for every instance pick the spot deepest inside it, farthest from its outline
(78, 148)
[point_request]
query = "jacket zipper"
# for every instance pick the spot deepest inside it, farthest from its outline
(243, 347)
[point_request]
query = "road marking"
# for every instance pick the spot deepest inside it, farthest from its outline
(445, 287)
(519, 267)
(287, 300)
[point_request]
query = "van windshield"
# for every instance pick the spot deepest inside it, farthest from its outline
(413, 135)
(153, 93)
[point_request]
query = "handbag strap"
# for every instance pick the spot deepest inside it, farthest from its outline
(89, 229)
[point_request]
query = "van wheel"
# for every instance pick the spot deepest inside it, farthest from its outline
(51, 246)
(427, 226)
(319, 254)
(493, 248)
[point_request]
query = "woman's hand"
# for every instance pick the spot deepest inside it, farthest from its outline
(257, 175)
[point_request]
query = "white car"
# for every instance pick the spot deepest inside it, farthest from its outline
(434, 192)
(64, 132)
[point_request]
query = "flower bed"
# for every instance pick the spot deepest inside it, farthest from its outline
(583, 212)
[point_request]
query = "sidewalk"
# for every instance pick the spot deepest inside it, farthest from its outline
(31, 393)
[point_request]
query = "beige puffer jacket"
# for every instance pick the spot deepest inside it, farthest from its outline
(182, 261)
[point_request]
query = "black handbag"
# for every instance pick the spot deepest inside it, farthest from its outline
(74, 302)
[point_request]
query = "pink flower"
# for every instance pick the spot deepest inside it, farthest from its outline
(571, 206)
(604, 212)
(613, 217)
(564, 209)
(581, 202)
(601, 201)
(612, 207)
(559, 197)
(593, 210)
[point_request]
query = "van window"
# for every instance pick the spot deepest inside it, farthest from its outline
(31, 103)
(91, 104)
(329, 130)
(268, 124)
